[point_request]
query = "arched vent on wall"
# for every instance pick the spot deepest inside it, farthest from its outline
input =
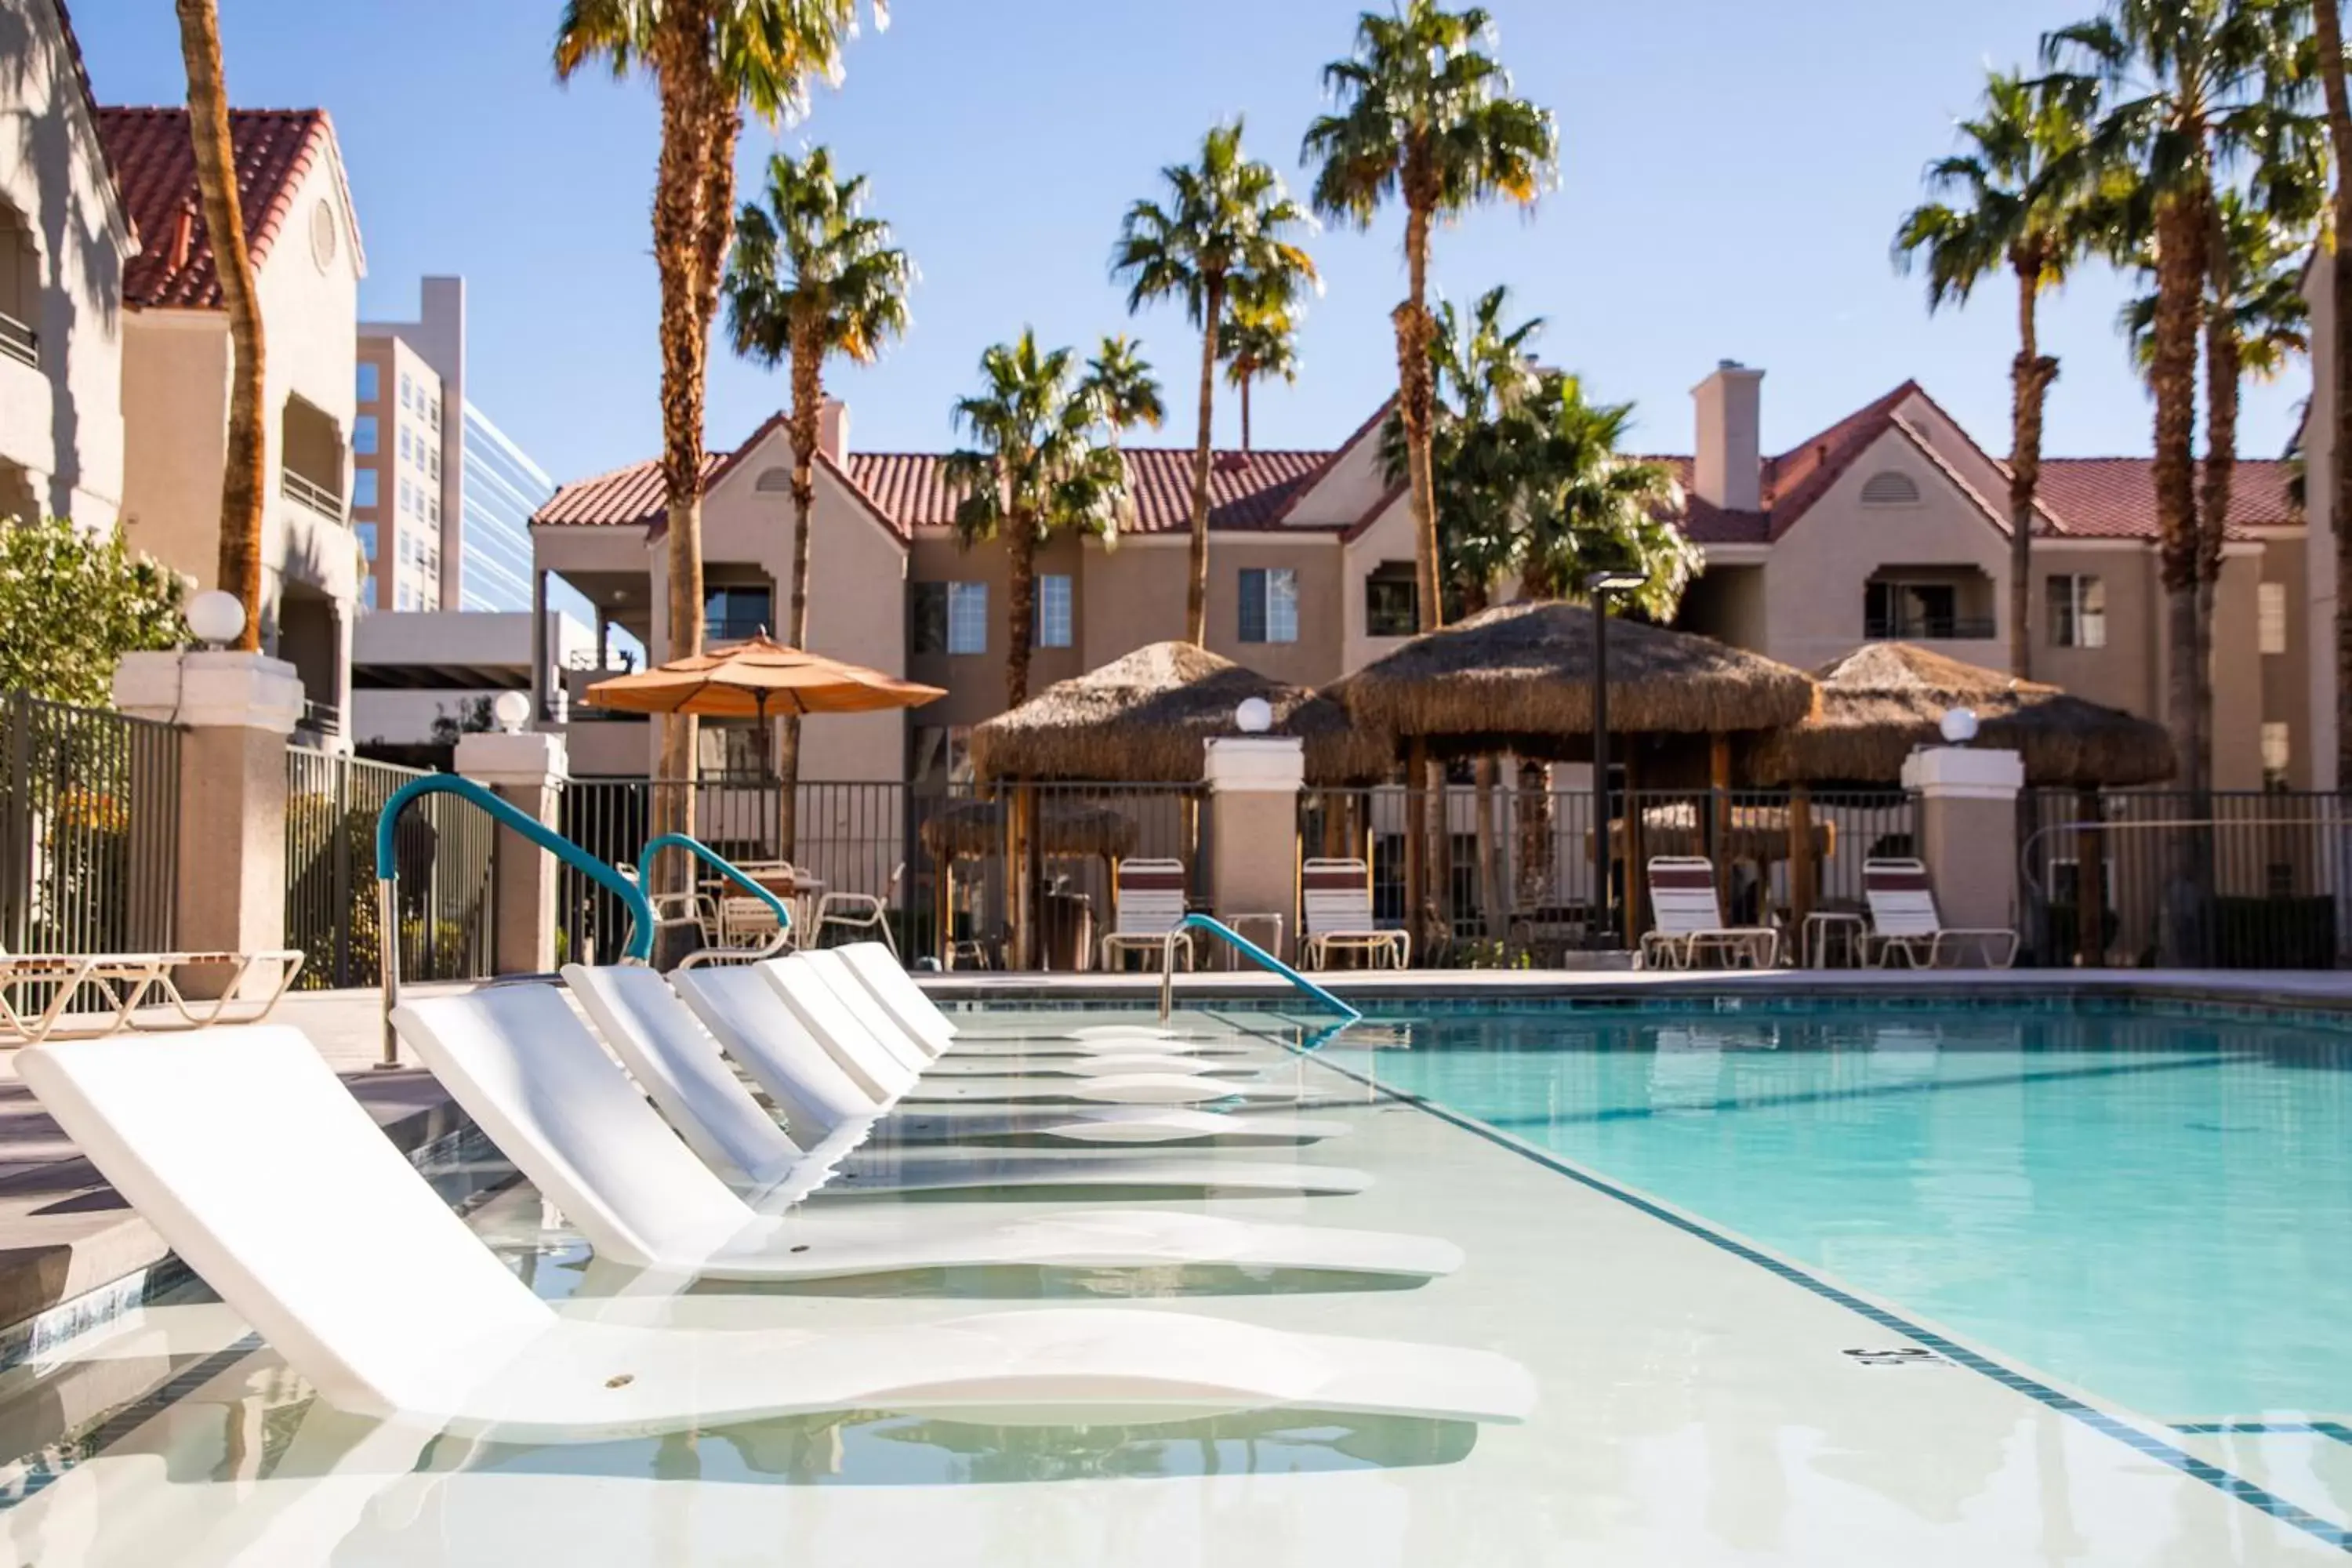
(1889, 488)
(774, 481)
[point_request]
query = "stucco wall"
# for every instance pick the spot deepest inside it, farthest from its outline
(2125, 672)
(975, 683)
(175, 412)
(62, 420)
(1389, 537)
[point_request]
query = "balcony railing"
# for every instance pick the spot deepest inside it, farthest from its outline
(735, 628)
(1929, 628)
(312, 494)
(320, 719)
(19, 342)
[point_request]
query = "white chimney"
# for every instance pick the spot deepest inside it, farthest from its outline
(833, 429)
(1729, 471)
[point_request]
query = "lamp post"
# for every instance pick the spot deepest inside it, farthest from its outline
(1597, 586)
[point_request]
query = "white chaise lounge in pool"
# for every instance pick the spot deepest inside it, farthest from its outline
(922, 1020)
(487, 1043)
(750, 1015)
(685, 1071)
(589, 1141)
(241, 1148)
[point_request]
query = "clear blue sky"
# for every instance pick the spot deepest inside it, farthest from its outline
(1731, 174)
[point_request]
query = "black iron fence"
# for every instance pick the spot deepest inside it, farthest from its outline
(2238, 879)
(89, 803)
(443, 850)
(1510, 872)
(936, 860)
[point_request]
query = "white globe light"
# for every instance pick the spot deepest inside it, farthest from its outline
(1959, 726)
(1254, 716)
(217, 617)
(511, 708)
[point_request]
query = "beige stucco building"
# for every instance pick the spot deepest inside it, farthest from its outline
(1891, 523)
(65, 240)
(176, 364)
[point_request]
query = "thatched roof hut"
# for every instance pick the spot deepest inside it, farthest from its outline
(1519, 679)
(1146, 719)
(974, 830)
(1880, 704)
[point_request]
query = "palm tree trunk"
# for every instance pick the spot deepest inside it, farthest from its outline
(1020, 607)
(1196, 605)
(2030, 376)
(1416, 407)
(808, 400)
(2172, 376)
(244, 479)
(1493, 894)
(1536, 857)
(2328, 24)
(2222, 359)
(1246, 411)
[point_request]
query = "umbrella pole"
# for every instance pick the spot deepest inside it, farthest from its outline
(1416, 838)
(1719, 817)
(1803, 867)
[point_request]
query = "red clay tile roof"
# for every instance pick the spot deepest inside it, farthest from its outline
(156, 167)
(2115, 498)
(904, 489)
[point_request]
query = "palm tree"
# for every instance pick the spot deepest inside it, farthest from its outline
(1589, 507)
(1121, 379)
(1225, 231)
(1259, 341)
(1993, 206)
(811, 275)
(1033, 470)
(244, 483)
(710, 60)
(2194, 90)
(1423, 114)
(2327, 27)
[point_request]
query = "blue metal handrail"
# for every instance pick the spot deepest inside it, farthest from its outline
(1248, 949)
(733, 873)
(640, 945)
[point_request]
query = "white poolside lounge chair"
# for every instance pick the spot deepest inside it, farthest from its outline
(575, 1125)
(1903, 920)
(642, 1017)
(936, 1033)
(130, 981)
(722, 1123)
(1148, 897)
(378, 1296)
(1336, 896)
(1690, 921)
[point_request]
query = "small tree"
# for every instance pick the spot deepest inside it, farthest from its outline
(71, 605)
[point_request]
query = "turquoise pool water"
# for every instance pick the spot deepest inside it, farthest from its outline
(2157, 1210)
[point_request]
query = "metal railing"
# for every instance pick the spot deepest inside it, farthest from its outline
(446, 856)
(1248, 949)
(18, 342)
(89, 814)
(312, 494)
(2235, 879)
(1929, 628)
(734, 877)
(321, 718)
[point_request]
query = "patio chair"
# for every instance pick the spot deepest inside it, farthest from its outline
(1336, 896)
(467, 1039)
(1149, 900)
(1690, 921)
(130, 981)
(866, 912)
(379, 1297)
(1904, 920)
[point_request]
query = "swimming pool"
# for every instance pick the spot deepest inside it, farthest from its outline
(2151, 1208)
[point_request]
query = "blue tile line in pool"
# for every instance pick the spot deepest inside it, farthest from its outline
(2145, 1443)
(2340, 1431)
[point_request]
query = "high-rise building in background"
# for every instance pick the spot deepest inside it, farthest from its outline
(442, 497)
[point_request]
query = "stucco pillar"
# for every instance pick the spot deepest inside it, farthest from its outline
(527, 770)
(1968, 831)
(1254, 782)
(237, 710)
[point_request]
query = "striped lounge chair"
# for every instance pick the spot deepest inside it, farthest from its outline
(1336, 898)
(1690, 921)
(1904, 920)
(1148, 897)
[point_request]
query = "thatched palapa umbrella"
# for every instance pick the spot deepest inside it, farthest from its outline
(1881, 704)
(1519, 679)
(1148, 718)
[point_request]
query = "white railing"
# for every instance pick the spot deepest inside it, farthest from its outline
(312, 494)
(18, 342)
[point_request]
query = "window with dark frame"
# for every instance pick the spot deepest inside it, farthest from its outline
(926, 616)
(1391, 601)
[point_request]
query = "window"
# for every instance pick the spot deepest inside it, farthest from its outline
(407, 496)
(363, 486)
(1053, 610)
(1389, 601)
(943, 754)
(967, 617)
(407, 391)
(732, 749)
(1269, 605)
(363, 435)
(436, 414)
(408, 598)
(732, 614)
(1905, 610)
(927, 617)
(2278, 751)
(406, 445)
(434, 458)
(2270, 616)
(433, 510)
(2078, 612)
(322, 233)
(366, 531)
(1889, 488)
(371, 382)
